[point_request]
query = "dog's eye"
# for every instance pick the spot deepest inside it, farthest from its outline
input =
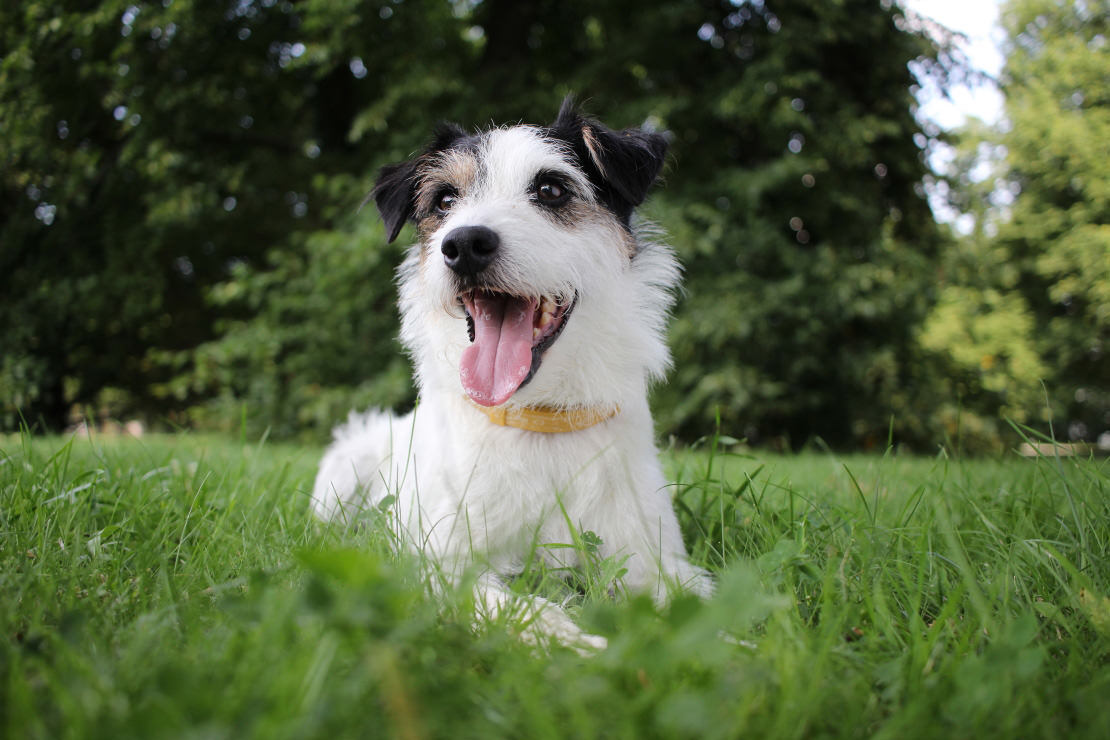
(551, 193)
(445, 202)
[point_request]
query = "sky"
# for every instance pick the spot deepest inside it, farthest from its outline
(978, 19)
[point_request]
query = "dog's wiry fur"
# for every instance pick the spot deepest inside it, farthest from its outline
(471, 492)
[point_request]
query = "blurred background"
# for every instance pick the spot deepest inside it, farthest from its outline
(181, 240)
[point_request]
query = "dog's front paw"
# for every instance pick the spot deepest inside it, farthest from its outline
(552, 624)
(701, 584)
(539, 622)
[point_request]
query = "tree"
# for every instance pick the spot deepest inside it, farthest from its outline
(979, 348)
(151, 149)
(809, 249)
(138, 164)
(793, 196)
(1058, 153)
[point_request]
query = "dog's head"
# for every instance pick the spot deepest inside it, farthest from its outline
(524, 231)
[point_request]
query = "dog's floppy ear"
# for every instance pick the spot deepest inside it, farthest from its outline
(393, 194)
(395, 190)
(622, 165)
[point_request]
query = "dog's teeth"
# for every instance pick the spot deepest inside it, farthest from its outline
(548, 306)
(545, 318)
(535, 332)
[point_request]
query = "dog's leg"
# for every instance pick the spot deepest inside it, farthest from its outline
(661, 572)
(676, 572)
(540, 620)
(642, 527)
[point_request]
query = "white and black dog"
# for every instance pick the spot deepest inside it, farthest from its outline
(534, 310)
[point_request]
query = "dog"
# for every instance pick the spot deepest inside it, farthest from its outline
(534, 308)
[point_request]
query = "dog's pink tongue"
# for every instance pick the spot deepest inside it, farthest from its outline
(498, 361)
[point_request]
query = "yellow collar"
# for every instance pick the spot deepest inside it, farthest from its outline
(548, 420)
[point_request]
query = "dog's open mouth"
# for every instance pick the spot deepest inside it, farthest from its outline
(509, 335)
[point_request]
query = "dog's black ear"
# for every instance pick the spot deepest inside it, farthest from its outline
(393, 193)
(395, 190)
(622, 165)
(446, 134)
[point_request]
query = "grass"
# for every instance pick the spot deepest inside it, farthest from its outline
(177, 587)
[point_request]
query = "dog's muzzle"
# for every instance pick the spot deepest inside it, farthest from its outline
(468, 250)
(509, 335)
(509, 332)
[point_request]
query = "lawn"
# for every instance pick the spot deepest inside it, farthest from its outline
(176, 586)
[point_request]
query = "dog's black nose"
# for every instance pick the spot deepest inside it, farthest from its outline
(470, 249)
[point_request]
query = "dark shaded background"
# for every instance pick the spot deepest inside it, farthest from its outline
(181, 238)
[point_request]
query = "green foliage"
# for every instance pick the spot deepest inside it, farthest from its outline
(137, 164)
(177, 586)
(1021, 329)
(990, 362)
(806, 270)
(981, 359)
(808, 250)
(219, 211)
(153, 149)
(300, 361)
(1058, 153)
